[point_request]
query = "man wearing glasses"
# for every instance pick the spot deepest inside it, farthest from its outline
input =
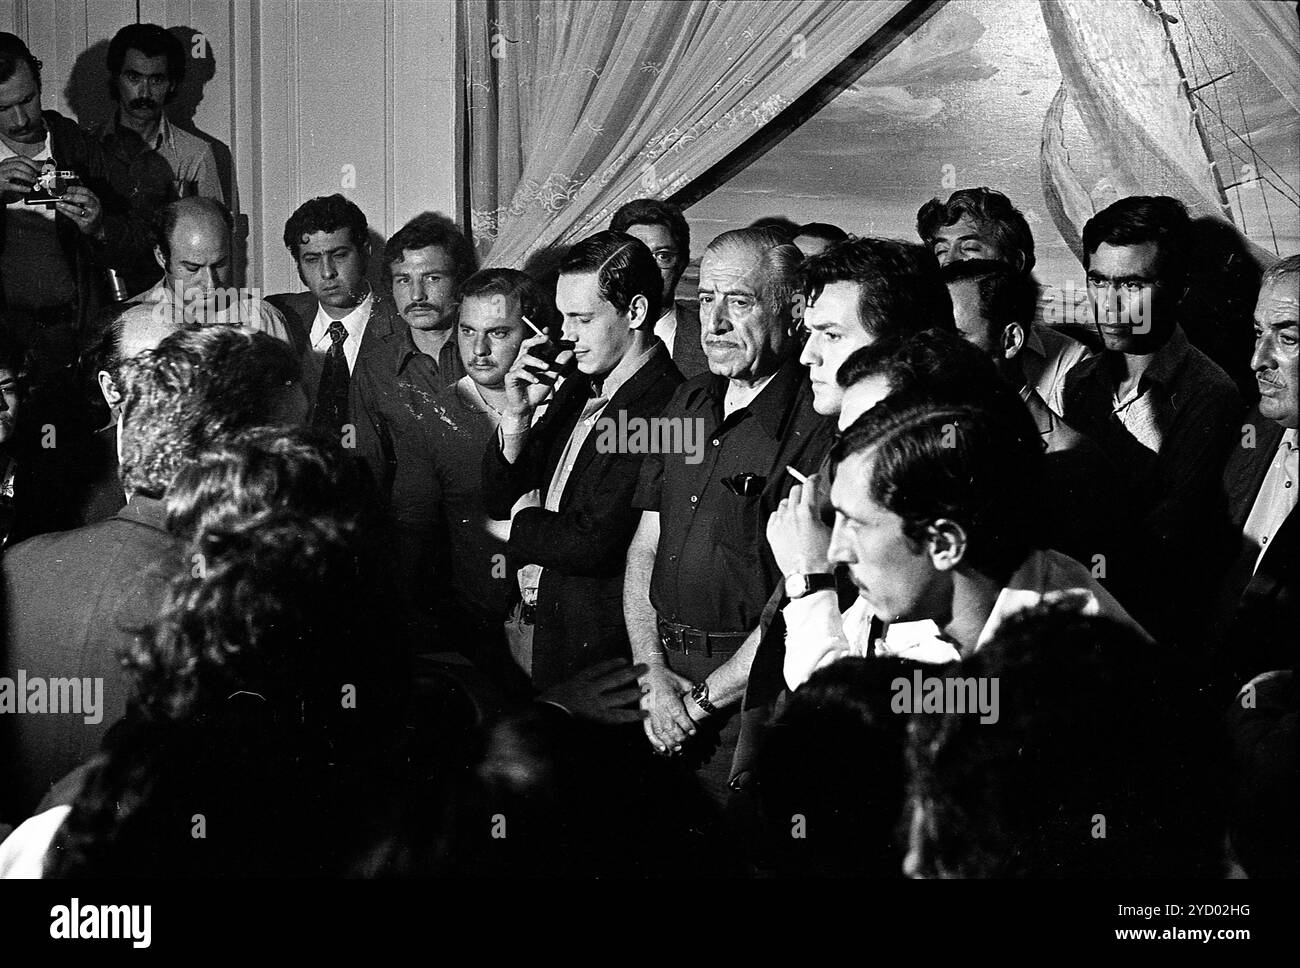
(1163, 411)
(664, 231)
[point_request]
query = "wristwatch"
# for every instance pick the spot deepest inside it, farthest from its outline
(798, 585)
(700, 693)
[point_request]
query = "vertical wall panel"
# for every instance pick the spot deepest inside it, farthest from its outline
(296, 91)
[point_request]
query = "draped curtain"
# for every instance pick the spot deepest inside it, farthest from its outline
(575, 107)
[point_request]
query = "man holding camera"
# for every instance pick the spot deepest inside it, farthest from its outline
(54, 231)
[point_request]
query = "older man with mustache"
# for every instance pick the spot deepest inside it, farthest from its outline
(1254, 620)
(699, 569)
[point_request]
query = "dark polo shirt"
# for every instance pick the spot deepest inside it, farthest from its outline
(713, 569)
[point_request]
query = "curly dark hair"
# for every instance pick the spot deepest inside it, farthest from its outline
(326, 213)
(985, 206)
(263, 471)
(238, 714)
(197, 387)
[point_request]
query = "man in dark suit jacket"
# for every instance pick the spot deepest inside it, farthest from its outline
(74, 600)
(663, 229)
(330, 243)
(584, 454)
(91, 225)
(1256, 612)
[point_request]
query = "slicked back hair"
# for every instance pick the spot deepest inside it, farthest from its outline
(968, 464)
(900, 289)
(1005, 296)
(779, 261)
(1280, 270)
(624, 269)
(986, 207)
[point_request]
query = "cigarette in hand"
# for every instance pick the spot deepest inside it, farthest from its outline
(533, 327)
(796, 475)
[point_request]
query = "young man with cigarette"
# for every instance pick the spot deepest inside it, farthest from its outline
(573, 547)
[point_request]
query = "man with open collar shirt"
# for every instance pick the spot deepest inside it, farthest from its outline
(699, 568)
(585, 454)
(1162, 411)
(398, 386)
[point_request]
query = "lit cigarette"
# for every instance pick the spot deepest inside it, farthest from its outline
(796, 475)
(532, 327)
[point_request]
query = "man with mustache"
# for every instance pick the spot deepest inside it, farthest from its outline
(1160, 408)
(151, 161)
(49, 253)
(1256, 611)
(699, 569)
(399, 386)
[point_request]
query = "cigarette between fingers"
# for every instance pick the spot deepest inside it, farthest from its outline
(796, 475)
(532, 326)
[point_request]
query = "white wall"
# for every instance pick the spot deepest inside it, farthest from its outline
(310, 96)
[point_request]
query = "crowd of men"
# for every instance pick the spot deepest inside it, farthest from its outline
(849, 565)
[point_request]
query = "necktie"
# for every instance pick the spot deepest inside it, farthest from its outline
(332, 397)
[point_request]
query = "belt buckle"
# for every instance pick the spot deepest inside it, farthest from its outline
(699, 641)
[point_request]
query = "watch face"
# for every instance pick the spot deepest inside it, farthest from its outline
(796, 586)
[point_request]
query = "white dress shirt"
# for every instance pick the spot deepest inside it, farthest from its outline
(1276, 497)
(817, 634)
(354, 322)
(666, 327)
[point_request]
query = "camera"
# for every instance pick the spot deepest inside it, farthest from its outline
(51, 185)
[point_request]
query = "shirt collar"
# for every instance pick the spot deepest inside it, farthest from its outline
(774, 405)
(164, 139)
(627, 368)
(407, 350)
(354, 322)
(149, 511)
(1168, 359)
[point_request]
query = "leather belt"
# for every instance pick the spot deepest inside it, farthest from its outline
(693, 641)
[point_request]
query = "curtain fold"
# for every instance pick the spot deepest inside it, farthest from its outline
(576, 107)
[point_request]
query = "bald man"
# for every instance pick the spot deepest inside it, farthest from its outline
(193, 247)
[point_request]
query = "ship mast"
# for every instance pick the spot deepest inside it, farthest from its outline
(1196, 114)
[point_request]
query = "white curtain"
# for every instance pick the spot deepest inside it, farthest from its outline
(576, 107)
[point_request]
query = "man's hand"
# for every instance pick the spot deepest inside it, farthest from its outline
(81, 205)
(669, 724)
(799, 541)
(527, 389)
(606, 692)
(17, 176)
